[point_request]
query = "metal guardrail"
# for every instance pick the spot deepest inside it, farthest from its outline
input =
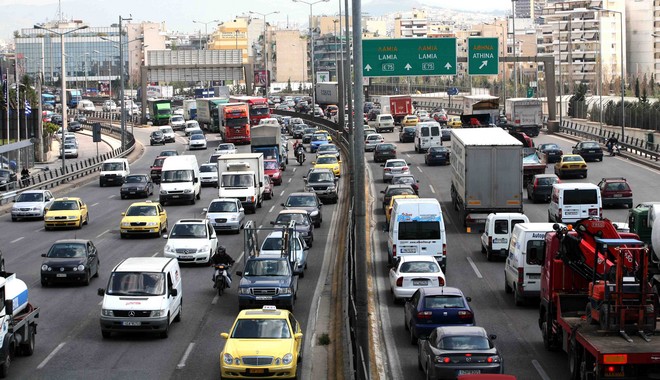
(51, 178)
(630, 144)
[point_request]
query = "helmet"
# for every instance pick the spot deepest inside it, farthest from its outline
(222, 249)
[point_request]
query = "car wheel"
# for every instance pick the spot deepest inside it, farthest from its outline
(106, 334)
(86, 281)
(13, 218)
(165, 333)
(517, 298)
(413, 338)
(507, 288)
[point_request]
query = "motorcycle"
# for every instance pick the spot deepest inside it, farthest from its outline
(301, 158)
(614, 149)
(222, 280)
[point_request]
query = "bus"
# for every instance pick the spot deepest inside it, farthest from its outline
(258, 107)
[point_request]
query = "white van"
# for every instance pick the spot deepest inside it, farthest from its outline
(179, 180)
(86, 105)
(571, 202)
(497, 232)
(384, 122)
(269, 121)
(522, 270)
(143, 294)
(114, 171)
(427, 134)
(417, 228)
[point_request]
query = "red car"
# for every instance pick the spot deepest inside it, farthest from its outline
(616, 192)
(268, 187)
(157, 168)
(272, 168)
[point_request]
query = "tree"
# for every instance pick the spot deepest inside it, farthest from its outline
(576, 103)
(637, 87)
(288, 88)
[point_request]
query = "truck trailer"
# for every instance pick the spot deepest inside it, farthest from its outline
(480, 111)
(524, 115)
(207, 113)
(487, 173)
(267, 139)
(327, 93)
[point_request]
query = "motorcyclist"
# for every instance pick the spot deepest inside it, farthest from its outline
(300, 156)
(611, 144)
(25, 176)
(220, 257)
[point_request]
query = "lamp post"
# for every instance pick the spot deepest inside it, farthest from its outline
(513, 34)
(311, 41)
(265, 53)
(63, 84)
(623, 73)
(206, 30)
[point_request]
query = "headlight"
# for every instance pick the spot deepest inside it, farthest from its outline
(187, 191)
(287, 359)
(314, 213)
(169, 248)
(204, 248)
(107, 313)
(125, 224)
(336, 168)
(50, 218)
(80, 268)
(163, 191)
(233, 218)
(331, 188)
(72, 217)
(151, 224)
(158, 313)
(243, 290)
(227, 358)
(45, 268)
(285, 290)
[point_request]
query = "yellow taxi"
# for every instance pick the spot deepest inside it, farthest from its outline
(66, 212)
(454, 122)
(409, 121)
(571, 165)
(327, 161)
(263, 343)
(388, 211)
(324, 133)
(143, 218)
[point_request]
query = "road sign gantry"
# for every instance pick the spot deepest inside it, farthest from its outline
(409, 57)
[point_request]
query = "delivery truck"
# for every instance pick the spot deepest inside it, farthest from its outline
(207, 113)
(327, 93)
(160, 110)
(241, 176)
(267, 139)
(524, 115)
(486, 173)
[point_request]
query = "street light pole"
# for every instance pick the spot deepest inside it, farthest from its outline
(63, 85)
(265, 53)
(122, 117)
(206, 31)
(515, 63)
(311, 41)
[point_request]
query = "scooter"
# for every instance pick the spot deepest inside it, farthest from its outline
(614, 149)
(222, 280)
(301, 157)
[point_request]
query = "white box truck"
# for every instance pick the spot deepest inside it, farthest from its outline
(241, 175)
(179, 180)
(524, 115)
(487, 173)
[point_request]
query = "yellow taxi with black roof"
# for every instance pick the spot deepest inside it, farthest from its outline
(66, 212)
(263, 343)
(143, 218)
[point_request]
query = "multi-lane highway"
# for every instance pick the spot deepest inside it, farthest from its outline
(519, 338)
(69, 342)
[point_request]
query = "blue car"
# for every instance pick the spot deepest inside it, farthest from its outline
(437, 155)
(317, 141)
(433, 307)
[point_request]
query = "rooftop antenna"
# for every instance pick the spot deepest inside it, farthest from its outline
(59, 11)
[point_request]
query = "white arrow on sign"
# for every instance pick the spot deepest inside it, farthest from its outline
(448, 66)
(407, 66)
(483, 64)
(367, 67)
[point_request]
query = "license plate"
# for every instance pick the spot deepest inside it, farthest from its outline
(175, 196)
(420, 282)
(61, 275)
(264, 298)
(255, 370)
(617, 195)
(408, 250)
(185, 256)
(592, 151)
(131, 323)
(610, 375)
(132, 192)
(469, 372)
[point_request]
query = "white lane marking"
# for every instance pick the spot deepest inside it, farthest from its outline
(294, 168)
(17, 239)
(432, 189)
(182, 363)
(41, 229)
(50, 356)
(407, 155)
(112, 196)
(155, 254)
(102, 233)
(289, 181)
(100, 302)
(261, 225)
(271, 209)
(540, 370)
(474, 267)
(215, 299)
(94, 204)
(282, 193)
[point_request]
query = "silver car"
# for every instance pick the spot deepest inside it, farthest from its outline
(371, 141)
(226, 214)
(31, 204)
(208, 175)
(394, 167)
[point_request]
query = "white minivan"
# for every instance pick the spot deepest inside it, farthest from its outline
(114, 171)
(571, 202)
(522, 270)
(497, 232)
(427, 134)
(143, 294)
(417, 227)
(384, 123)
(179, 180)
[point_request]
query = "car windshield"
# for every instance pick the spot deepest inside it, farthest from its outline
(197, 137)
(167, 130)
(142, 211)
(327, 149)
(546, 181)
(400, 191)
(285, 218)
(549, 146)
(69, 146)
(223, 206)
(443, 302)
(177, 119)
(437, 149)
(157, 134)
(310, 130)
(384, 147)
(177, 176)
(275, 244)
(419, 267)
(271, 165)
(168, 153)
(327, 160)
(301, 201)
(112, 166)
(237, 180)
(403, 180)
(261, 329)
(572, 159)
(64, 205)
(67, 250)
(136, 179)
(617, 186)
(267, 268)
(30, 197)
(207, 168)
(188, 231)
(464, 343)
(319, 138)
(136, 284)
(409, 129)
(321, 177)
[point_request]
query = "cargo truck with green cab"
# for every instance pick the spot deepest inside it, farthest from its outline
(161, 111)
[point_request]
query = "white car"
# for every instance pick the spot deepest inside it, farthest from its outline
(197, 141)
(191, 125)
(226, 214)
(413, 272)
(208, 175)
(70, 150)
(395, 166)
(177, 122)
(272, 247)
(168, 133)
(109, 106)
(86, 105)
(423, 114)
(191, 241)
(226, 148)
(31, 204)
(372, 140)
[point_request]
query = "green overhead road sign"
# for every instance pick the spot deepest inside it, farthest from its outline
(483, 56)
(408, 57)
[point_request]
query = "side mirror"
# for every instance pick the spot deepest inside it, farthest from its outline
(469, 299)
(224, 335)
(205, 209)
(239, 273)
(123, 214)
(493, 337)
(165, 236)
(313, 162)
(382, 191)
(382, 165)
(43, 255)
(481, 231)
(282, 204)
(100, 291)
(195, 180)
(241, 209)
(173, 292)
(297, 336)
(272, 222)
(9, 307)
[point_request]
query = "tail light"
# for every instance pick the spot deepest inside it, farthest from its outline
(465, 314)
(399, 281)
(593, 212)
(490, 242)
(404, 168)
(387, 169)
(393, 250)
(442, 359)
(521, 276)
(493, 359)
(536, 183)
(424, 315)
(444, 250)
(441, 281)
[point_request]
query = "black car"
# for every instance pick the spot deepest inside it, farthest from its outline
(324, 183)
(407, 134)
(384, 152)
(589, 150)
(445, 131)
(156, 137)
(436, 155)
(298, 131)
(80, 118)
(406, 179)
(540, 187)
(304, 224)
(392, 190)
(137, 185)
(309, 202)
(71, 260)
(7, 179)
(551, 151)
(56, 119)
(74, 126)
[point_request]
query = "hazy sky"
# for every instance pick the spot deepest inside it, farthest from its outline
(179, 14)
